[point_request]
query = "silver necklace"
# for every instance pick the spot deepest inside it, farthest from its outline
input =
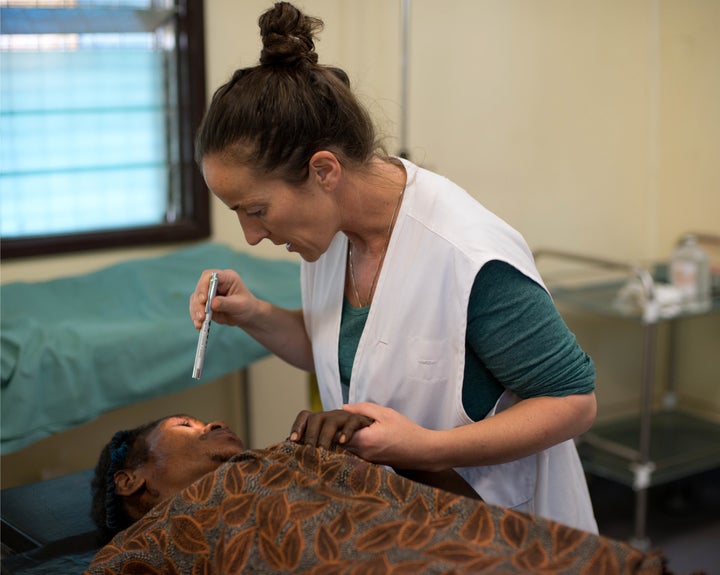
(382, 257)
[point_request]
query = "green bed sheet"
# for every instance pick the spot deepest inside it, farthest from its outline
(73, 348)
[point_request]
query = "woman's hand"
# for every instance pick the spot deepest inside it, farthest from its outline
(233, 304)
(526, 427)
(392, 439)
(281, 331)
(327, 428)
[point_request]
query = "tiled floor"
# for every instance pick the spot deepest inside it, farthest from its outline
(683, 519)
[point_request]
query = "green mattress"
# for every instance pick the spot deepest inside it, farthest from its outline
(75, 347)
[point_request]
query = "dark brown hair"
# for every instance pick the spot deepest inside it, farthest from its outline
(274, 116)
(126, 449)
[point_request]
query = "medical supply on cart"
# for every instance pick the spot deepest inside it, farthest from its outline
(690, 274)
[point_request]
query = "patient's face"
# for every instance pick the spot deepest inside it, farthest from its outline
(183, 449)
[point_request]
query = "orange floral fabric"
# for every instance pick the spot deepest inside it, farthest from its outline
(296, 509)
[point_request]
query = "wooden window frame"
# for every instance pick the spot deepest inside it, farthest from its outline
(194, 222)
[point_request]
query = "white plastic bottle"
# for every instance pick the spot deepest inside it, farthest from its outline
(690, 273)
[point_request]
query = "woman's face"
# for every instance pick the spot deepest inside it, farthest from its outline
(303, 218)
(182, 449)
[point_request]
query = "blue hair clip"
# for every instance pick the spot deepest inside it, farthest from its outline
(117, 455)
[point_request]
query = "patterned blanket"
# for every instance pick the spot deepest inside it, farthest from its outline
(292, 508)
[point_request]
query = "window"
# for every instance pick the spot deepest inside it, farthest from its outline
(99, 102)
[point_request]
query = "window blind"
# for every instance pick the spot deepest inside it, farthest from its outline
(86, 137)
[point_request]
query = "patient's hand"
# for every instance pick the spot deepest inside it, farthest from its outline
(327, 428)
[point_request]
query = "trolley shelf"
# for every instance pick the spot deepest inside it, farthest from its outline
(653, 447)
(682, 445)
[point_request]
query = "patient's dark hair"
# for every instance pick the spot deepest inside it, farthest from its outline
(274, 116)
(126, 450)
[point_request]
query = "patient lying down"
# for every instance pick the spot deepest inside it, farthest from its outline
(142, 467)
(182, 496)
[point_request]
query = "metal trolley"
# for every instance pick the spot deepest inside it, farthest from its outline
(662, 444)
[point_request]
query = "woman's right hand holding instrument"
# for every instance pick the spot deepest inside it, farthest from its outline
(280, 330)
(233, 304)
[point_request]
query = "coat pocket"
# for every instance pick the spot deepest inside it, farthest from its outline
(427, 360)
(509, 484)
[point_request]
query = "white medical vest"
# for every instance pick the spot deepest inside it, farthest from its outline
(411, 354)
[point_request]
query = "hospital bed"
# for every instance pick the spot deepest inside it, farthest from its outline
(293, 508)
(76, 347)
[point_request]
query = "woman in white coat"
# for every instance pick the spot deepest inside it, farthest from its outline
(420, 308)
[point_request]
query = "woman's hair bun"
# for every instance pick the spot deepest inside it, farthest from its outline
(287, 35)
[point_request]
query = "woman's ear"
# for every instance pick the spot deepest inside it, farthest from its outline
(325, 169)
(128, 482)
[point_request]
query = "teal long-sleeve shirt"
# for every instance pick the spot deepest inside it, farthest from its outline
(515, 339)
